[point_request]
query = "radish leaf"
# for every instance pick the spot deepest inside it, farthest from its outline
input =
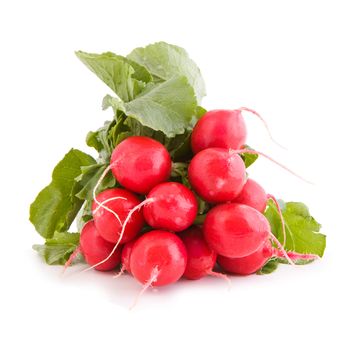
(164, 61)
(57, 250)
(302, 230)
(126, 78)
(56, 206)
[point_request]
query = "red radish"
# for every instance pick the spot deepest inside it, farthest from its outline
(219, 128)
(235, 230)
(253, 195)
(95, 248)
(217, 174)
(139, 163)
(120, 202)
(200, 257)
(158, 258)
(252, 263)
(223, 128)
(126, 252)
(173, 207)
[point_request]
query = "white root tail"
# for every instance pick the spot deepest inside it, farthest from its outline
(98, 183)
(221, 275)
(270, 196)
(132, 211)
(101, 204)
(280, 247)
(152, 279)
(251, 151)
(122, 270)
(72, 257)
(265, 124)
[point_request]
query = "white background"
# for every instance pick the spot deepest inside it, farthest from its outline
(287, 59)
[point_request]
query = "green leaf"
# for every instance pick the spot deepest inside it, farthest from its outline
(126, 78)
(302, 230)
(84, 215)
(56, 206)
(168, 107)
(88, 179)
(249, 158)
(57, 250)
(165, 61)
(269, 267)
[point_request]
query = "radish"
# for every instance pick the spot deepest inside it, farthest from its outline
(158, 258)
(235, 230)
(252, 263)
(224, 173)
(94, 248)
(172, 207)
(219, 128)
(222, 128)
(217, 175)
(126, 252)
(139, 163)
(253, 195)
(200, 257)
(116, 201)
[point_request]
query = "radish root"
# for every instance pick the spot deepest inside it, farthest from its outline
(221, 275)
(282, 250)
(270, 196)
(251, 151)
(98, 183)
(122, 270)
(101, 204)
(153, 278)
(265, 124)
(296, 256)
(71, 258)
(132, 211)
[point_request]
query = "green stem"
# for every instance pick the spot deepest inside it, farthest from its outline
(200, 219)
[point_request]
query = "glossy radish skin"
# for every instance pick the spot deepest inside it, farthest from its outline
(174, 207)
(235, 230)
(217, 175)
(95, 248)
(126, 252)
(253, 195)
(248, 264)
(139, 163)
(200, 257)
(158, 250)
(219, 128)
(108, 225)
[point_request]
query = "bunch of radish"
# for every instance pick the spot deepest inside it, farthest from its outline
(148, 225)
(168, 195)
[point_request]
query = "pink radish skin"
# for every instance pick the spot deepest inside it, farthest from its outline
(253, 195)
(217, 175)
(94, 248)
(126, 252)
(219, 128)
(173, 207)
(158, 256)
(235, 230)
(254, 262)
(106, 222)
(248, 264)
(139, 163)
(200, 257)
